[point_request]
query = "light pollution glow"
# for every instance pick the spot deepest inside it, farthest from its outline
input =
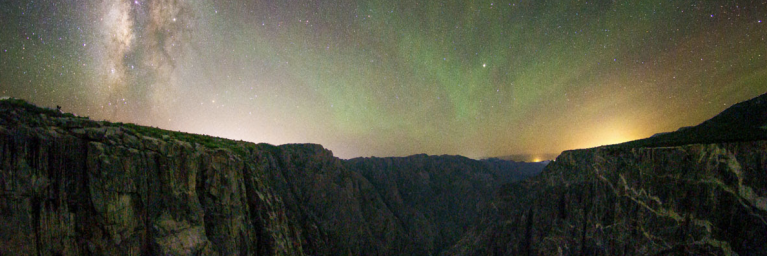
(390, 78)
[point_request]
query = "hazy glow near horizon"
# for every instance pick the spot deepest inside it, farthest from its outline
(390, 78)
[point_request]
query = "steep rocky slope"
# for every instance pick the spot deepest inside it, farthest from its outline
(698, 191)
(436, 198)
(73, 186)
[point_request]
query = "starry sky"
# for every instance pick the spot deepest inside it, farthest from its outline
(390, 78)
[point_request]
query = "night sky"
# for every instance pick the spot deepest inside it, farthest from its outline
(390, 78)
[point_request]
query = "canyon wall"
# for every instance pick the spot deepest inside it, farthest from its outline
(693, 199)
(78, 187)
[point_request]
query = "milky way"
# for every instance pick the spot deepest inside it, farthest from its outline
(138, 47)
(390, 78)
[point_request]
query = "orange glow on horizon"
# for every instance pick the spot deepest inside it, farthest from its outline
(609, 134)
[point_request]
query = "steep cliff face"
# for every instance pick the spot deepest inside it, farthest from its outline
(691, 199)
(73, 186)
(336, 211)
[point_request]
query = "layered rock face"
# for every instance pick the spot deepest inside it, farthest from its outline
(693, 199)
(72, 186)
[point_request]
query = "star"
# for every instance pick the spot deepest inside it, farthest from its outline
(549, 88)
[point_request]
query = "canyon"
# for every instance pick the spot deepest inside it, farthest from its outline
(74, 186)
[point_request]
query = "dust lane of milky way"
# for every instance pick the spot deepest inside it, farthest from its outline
(390, 78)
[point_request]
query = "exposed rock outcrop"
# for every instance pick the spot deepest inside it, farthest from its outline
(73, 186)
(695, 199)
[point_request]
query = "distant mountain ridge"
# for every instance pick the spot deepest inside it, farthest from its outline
(526, 157)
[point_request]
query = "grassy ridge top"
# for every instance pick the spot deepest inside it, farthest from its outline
(13, 103)
(13, 110)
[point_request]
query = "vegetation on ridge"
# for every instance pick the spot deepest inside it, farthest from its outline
(33, 112)
(212, 142)
(31, 108)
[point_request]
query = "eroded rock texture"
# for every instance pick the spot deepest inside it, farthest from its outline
(699, 199)
(92, 189)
